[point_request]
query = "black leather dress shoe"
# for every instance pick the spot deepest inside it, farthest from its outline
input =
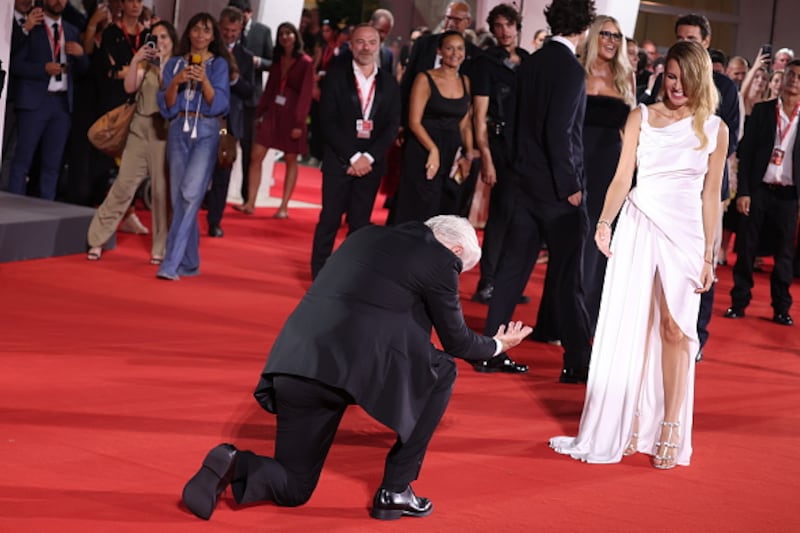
(483, 294)
(734, 312)
(783, 319)
(201, 492)
(574, 375)
(388, 505)
(215, 231)
(501, 363)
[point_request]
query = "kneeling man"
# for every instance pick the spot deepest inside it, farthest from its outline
(362, 335)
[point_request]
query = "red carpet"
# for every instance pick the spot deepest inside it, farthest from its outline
(114, 385)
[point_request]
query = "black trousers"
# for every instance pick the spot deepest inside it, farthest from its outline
(501, 210)
(778, 204)
(246, 143)
(342, 195)
(308, 417)
(564, 227)
(218, 194)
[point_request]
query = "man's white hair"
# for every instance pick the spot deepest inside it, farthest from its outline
(451, 230)
(786, 51)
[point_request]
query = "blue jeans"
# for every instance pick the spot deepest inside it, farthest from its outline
(191, 163)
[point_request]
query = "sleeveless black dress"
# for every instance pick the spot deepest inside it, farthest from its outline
(417, 197)
(602, 144)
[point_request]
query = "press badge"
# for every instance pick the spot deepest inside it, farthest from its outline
(777, 156)
(363, 128)
(280, 99)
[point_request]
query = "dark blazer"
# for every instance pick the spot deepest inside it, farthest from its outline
(242, 91)
(422, 58)
(755, 149)
(340, 107)
(27, 66)
(551, 103)
(259, 42)
(364, 326)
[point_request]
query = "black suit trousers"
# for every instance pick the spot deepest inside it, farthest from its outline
(564, 227)
(779, 206)
(501, 210)
(309, 414)
(341, 194)
(218, 194)
(246, 143)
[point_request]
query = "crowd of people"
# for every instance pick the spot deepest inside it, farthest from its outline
(588, 132)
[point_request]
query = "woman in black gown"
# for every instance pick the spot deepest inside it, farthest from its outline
(610, 95)
(439, 121)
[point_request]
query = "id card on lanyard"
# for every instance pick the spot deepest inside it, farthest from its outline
(779, 152)
(364, 126)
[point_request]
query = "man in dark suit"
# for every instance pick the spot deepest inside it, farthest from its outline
(231, 22)
(360, 112)
(257, 38)
(44, 67)
(383, 21)
(697, 28)
(361, 335)
(769, 185)
(551, 101)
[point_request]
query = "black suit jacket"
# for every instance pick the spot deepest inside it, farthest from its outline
(422, 58)
(755, 149)
(259, 42)
(364, 326)
(551, 103)
(242, 91)
(340, 107)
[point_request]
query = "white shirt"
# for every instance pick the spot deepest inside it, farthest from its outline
(782, 174)
(63, 85)
(366, 96)
(566, 42)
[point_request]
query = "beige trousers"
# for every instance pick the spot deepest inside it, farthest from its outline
(144, 155)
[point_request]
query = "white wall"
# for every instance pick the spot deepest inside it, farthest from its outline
(6, 21)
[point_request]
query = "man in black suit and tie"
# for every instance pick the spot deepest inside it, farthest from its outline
(362, 335)
(551, 101)
(769, 185)
(360, 112)
(257, 38)
(44, 67)
(231, 22)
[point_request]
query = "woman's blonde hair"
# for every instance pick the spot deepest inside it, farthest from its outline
(697, 81)
(620, 66)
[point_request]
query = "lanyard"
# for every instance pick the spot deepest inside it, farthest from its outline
(779, 119)
(370, 95)
(133, 44)
(55, 41)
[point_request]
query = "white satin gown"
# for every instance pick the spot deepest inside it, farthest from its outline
(658, 242)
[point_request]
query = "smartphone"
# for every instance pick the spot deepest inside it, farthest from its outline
(38, 3)
(151, 41)
(766, 49)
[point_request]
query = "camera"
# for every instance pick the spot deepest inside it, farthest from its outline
(151, 41)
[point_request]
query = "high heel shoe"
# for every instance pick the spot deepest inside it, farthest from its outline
(666, 449)
(94, 253)
(132, 224)
(631, 448)
(244, 208)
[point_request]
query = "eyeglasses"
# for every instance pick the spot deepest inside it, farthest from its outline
(617, 37)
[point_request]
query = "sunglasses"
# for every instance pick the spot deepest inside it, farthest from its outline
(609, 35)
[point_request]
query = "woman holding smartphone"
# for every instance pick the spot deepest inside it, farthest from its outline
(194, 97)
(145, 150)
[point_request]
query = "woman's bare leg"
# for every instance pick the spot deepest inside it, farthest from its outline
(254, 178)
(289, 182)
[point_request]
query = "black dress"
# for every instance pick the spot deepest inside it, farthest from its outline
(419, 198)
(602, 144)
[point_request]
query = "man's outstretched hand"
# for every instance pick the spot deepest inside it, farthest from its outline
(512, 334)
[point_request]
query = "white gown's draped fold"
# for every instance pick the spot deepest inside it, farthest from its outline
(658, 242)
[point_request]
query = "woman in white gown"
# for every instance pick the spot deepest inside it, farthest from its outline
(640, 392)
